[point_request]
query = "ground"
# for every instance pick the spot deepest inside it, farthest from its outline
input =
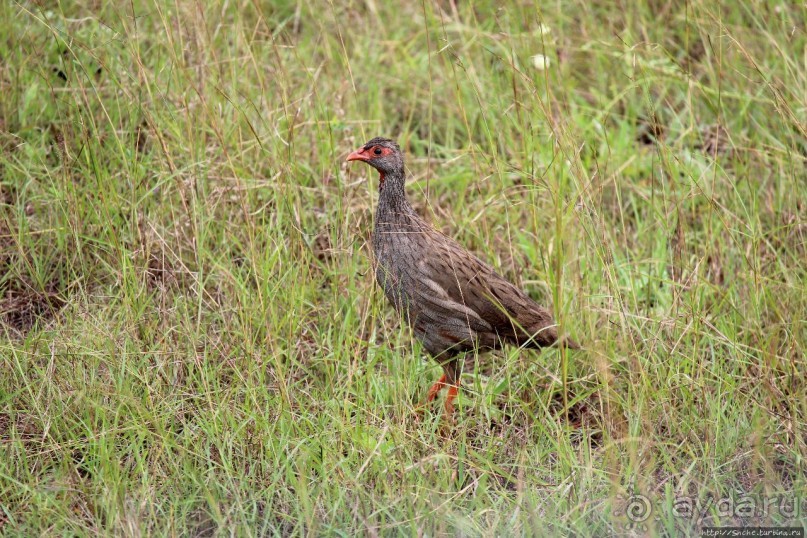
(191, 339)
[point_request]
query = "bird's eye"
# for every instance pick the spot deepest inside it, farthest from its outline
(377, 151)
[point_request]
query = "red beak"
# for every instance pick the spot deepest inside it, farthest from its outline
(358, 155)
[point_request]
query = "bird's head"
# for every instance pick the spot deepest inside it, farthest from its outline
(382, 154)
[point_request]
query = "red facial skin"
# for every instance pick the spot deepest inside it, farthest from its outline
(367, 154)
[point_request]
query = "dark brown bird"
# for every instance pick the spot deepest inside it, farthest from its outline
(454, 302)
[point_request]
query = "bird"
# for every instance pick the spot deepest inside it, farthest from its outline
(454, 302)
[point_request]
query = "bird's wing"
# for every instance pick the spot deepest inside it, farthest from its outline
(469, 281)
(437, 303)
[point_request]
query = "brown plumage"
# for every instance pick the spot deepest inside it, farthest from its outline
(454, 302)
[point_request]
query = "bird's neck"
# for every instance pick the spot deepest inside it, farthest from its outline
(392, 202)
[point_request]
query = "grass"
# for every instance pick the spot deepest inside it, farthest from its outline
(192, 342)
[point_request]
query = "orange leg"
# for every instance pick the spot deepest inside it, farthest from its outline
(448, 379)
(431, 395)
(436, 388)
(453, 390)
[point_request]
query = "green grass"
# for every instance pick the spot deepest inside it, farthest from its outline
(191, 338)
